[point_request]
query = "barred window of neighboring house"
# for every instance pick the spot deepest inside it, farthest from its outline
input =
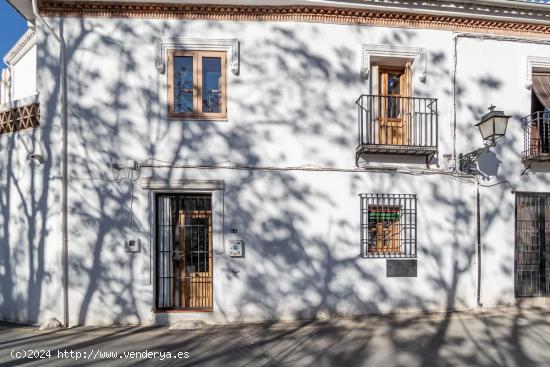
(197, 85)
(388, 225)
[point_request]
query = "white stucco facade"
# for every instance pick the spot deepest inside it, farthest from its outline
(284, 164)
(19, 77)
(25, 75)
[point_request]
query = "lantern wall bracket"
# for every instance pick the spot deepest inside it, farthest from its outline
(491, 127)
(467, 162)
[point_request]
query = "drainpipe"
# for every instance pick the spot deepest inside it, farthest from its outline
(453, 88)
(478, 220)
(64, 181)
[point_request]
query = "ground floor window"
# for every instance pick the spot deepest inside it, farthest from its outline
(388, 225)
(184, 251)
(532, 250)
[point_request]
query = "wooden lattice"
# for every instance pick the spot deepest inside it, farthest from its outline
(20, 118)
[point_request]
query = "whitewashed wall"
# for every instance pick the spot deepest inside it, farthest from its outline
(30, 254)
(20, 82)
(495, 72)
(24, 75)
(30, 258)
(291, 105)
(5, 86)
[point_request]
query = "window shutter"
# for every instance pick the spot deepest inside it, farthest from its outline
(407, 80)
(383, 83)
(407, 103)
(374, 80)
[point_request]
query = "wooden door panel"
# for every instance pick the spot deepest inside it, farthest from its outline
(394, 117)
(196, 246)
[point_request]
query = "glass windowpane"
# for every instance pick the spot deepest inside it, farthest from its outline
(211, 84)
(183, 84)
(394, 84)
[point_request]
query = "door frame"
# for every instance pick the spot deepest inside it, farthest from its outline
(156, 187)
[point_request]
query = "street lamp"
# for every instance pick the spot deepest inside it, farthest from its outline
(491, 127)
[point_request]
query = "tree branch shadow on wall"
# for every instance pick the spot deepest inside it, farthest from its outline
(312, 264)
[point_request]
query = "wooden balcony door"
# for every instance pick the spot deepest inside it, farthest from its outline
(395, 111)
(195, 247)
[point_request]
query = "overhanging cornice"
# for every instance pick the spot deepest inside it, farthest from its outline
(538, 26)
(21, 47)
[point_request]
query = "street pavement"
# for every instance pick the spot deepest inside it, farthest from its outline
(510, 336)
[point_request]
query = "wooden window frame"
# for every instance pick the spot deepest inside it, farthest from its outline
(197, 113)
(388, 239)
(405, 80)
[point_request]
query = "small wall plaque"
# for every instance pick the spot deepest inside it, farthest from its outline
(401, 268)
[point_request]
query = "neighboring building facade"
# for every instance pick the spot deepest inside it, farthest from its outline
(19, 78)
(247, 162)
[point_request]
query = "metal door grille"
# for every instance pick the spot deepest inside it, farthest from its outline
(532, 252)
(184, 252)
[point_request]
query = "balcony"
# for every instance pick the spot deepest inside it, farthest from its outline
(536, 137)
(20, 115)
(397, 125)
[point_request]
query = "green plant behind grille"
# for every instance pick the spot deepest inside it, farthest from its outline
(379, 216)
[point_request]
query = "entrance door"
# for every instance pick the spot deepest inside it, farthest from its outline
(532, 250)
(184, 252)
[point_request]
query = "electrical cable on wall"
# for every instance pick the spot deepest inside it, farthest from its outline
(119, 179)
(310, 168)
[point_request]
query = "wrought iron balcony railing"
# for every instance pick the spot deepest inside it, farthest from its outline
(536, 136)
(20, 115)
(397, 125)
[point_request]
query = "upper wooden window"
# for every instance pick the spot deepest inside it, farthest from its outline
(197, 84)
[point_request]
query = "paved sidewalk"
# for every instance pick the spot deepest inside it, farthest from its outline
(499, 337)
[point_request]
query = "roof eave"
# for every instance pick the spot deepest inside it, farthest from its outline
(24, 8)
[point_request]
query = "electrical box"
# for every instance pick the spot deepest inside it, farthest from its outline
(133, 245)
(236, 248)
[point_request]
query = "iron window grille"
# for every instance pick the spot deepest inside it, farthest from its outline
(388, 225)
